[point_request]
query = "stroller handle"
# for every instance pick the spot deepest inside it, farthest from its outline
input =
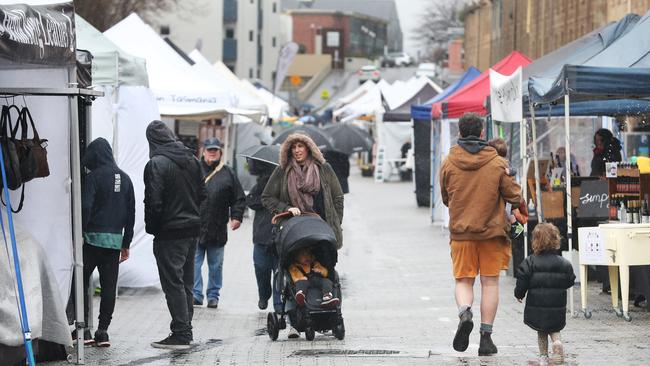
(284, 215)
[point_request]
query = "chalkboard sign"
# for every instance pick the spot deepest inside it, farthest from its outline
(594, 199)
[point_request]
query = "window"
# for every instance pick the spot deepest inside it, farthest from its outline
(259, 73)
(250, 36)
(273, 42)
(230, 33)
(275, 7)
(250, 73)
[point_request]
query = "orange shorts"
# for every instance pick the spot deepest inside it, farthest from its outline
(487, 257)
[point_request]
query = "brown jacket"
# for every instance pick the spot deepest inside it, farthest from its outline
(475, 187)
(297, 274)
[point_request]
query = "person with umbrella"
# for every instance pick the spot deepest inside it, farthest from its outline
(305, 183)
(264, 257)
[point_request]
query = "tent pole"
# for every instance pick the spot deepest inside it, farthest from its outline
(77, 237)
(538, 192)
(567, 167)
(431, 172)
(523, 150)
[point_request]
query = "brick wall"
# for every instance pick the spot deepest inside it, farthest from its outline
(304, 34)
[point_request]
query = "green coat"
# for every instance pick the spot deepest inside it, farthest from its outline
(276, 196)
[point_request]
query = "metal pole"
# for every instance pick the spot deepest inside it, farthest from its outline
(567, 169)
(77, 237)
(538, 192)
(523, 150)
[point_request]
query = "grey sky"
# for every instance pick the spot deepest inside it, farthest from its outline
(409, 11)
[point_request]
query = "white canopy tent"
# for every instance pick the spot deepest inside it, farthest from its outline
(180, 91)
(277, 106)
(121, 117)
(366, 100)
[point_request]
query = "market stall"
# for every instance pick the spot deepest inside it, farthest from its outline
(41, 77)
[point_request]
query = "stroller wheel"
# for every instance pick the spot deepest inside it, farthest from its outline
(310, 333)
(272, 327)
(339, 330)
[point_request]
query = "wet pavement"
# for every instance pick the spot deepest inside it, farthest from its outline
(398, 306)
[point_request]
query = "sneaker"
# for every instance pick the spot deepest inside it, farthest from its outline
(465, 326)
(558, 352)
(516, 229)
(300, 298)
(329, 301)
(88, 337)
(101, 338)
(486, 346)
(293, 333)
(263, 304)
(197, 302)
(172, 342)
(213, 304)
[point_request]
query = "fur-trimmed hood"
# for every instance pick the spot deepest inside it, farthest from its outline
(285, 149)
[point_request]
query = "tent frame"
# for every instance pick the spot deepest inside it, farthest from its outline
(73, 95)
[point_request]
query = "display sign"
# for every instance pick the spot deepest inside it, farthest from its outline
(506, 96)
(594, 199)
(333, 39)
(592, 245)
(40, 34)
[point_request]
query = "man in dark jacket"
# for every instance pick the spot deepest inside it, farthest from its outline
(108, 208)
(173, 194)
(225, 201)
(264, 258)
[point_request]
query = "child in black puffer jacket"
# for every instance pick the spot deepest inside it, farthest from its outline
(545, 276)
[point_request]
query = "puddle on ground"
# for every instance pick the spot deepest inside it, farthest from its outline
(176, 356)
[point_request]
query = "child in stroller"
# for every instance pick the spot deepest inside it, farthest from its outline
(307, 272)
(306, 298)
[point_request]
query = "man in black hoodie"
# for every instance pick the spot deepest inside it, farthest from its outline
(173, 193)
(108, 208)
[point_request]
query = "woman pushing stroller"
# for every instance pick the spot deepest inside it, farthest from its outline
(306, 188)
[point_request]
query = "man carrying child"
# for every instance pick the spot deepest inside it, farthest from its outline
(475, 186)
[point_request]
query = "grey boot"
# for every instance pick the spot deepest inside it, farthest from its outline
(486, 346)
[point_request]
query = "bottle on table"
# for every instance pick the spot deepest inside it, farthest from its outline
(645, 212)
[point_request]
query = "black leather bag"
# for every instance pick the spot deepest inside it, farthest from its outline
(9, 150)
(31, 152)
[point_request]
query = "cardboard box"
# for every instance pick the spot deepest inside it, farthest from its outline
(553, 204)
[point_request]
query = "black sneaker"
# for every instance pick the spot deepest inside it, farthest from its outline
(101, 338)
(213, 304)
(172, 342)
(263, 304)
(88, 337)
(486, 347)
(465, 326)
(197, 302)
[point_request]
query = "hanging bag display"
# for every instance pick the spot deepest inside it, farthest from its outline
(31, 152)
(10, 154)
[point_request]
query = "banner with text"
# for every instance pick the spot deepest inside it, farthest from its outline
(506, 96)
(42, 34)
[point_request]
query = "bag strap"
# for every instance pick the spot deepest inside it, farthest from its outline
(26, 114)
(7, 129)
(20, 205)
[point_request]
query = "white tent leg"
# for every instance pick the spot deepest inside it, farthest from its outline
(77, 239)
(569, 221)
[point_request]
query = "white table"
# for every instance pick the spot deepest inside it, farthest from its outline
(624, 245)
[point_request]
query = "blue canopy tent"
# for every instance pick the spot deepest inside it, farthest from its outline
(423, 139)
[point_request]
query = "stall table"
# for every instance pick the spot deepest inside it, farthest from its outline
(614, 245)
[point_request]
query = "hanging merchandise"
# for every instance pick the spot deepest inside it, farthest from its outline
(10, 155)
(31, 152)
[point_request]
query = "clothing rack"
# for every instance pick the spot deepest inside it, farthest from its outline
(73, 94)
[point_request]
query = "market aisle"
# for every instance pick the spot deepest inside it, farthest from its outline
(398, 305)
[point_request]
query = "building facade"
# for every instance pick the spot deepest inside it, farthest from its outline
(495, 28)
(382, 9)
(340, 34)
(245, 34)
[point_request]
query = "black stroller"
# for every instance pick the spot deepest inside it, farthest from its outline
(293, 234)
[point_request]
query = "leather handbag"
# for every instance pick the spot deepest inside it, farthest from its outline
(9, 151)
(31, 152)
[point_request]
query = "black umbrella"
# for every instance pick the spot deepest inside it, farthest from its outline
(348, 138)
(322, 139)
(265, 153)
